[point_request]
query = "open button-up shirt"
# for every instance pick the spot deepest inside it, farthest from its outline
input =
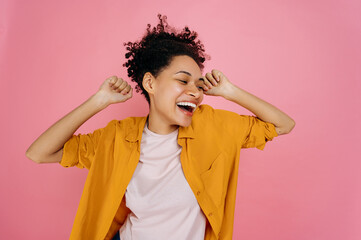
(209, 158)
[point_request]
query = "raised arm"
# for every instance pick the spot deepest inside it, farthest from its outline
(48, 147)
(217, 84)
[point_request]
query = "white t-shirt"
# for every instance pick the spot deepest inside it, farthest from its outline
(162, 203)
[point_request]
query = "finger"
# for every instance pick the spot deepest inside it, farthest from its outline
(206, 81)
(118, 83)
(126, 90)
(216, 74)
(204, 86)
(111, 80)
(113, 83)
(207, 84)
(123, 85)
(119, 86)
(130, 93)
(211, 79)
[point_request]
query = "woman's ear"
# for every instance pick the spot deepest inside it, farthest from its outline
(148, 82)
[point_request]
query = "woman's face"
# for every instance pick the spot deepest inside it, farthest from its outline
(177, 92)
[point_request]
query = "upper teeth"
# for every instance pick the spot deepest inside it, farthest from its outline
(187, 104)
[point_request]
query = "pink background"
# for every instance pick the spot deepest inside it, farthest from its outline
(302, 56)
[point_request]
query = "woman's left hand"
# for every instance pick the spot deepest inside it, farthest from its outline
(217, 84)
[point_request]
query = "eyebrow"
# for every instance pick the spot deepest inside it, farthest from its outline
(185, 72)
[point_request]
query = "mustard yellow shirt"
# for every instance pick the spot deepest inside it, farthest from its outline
(209, 158)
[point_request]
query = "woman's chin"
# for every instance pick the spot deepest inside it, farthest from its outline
(185, 123)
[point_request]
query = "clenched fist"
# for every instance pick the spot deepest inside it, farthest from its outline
(115, 90)
(217, 84)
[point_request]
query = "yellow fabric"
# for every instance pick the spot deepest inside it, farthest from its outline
(209, 158)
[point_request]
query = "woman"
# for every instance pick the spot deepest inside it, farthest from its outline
(172, 174)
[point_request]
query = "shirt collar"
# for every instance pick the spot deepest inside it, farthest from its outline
(186, 132)
(135, 132)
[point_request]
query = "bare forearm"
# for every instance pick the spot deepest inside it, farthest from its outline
(49, 146)
(49, 143)
(262, 109)
(217, 84)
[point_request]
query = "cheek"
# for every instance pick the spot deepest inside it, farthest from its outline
(172, 91)
(168, 94)
(201, 97)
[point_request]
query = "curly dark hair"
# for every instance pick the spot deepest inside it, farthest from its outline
(155, 51)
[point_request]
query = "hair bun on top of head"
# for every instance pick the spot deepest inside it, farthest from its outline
(156, 49)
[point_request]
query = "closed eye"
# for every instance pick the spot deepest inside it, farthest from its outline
(182, 81)
(200, 88)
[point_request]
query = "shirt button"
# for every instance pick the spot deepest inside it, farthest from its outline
(210, 214)
(199, 192)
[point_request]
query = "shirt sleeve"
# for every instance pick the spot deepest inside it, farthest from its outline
(80, 149)
(257, 132)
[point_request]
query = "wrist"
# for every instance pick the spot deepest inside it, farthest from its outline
(230, 92)
(99, 100)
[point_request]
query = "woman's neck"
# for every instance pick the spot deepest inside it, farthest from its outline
(158, 125)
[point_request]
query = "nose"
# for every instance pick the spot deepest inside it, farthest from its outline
(193, 91)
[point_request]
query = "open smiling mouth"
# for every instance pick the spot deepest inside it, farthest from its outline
(187, 106)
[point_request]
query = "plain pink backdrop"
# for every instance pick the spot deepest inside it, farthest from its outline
(302, 56)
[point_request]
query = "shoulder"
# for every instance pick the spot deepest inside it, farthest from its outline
(205, 111)
(126, 122)
(226, 122)
(130, 128)
(206, 118)
(124, 125)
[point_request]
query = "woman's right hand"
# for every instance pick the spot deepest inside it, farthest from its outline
(48, 147)
(114, 90)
